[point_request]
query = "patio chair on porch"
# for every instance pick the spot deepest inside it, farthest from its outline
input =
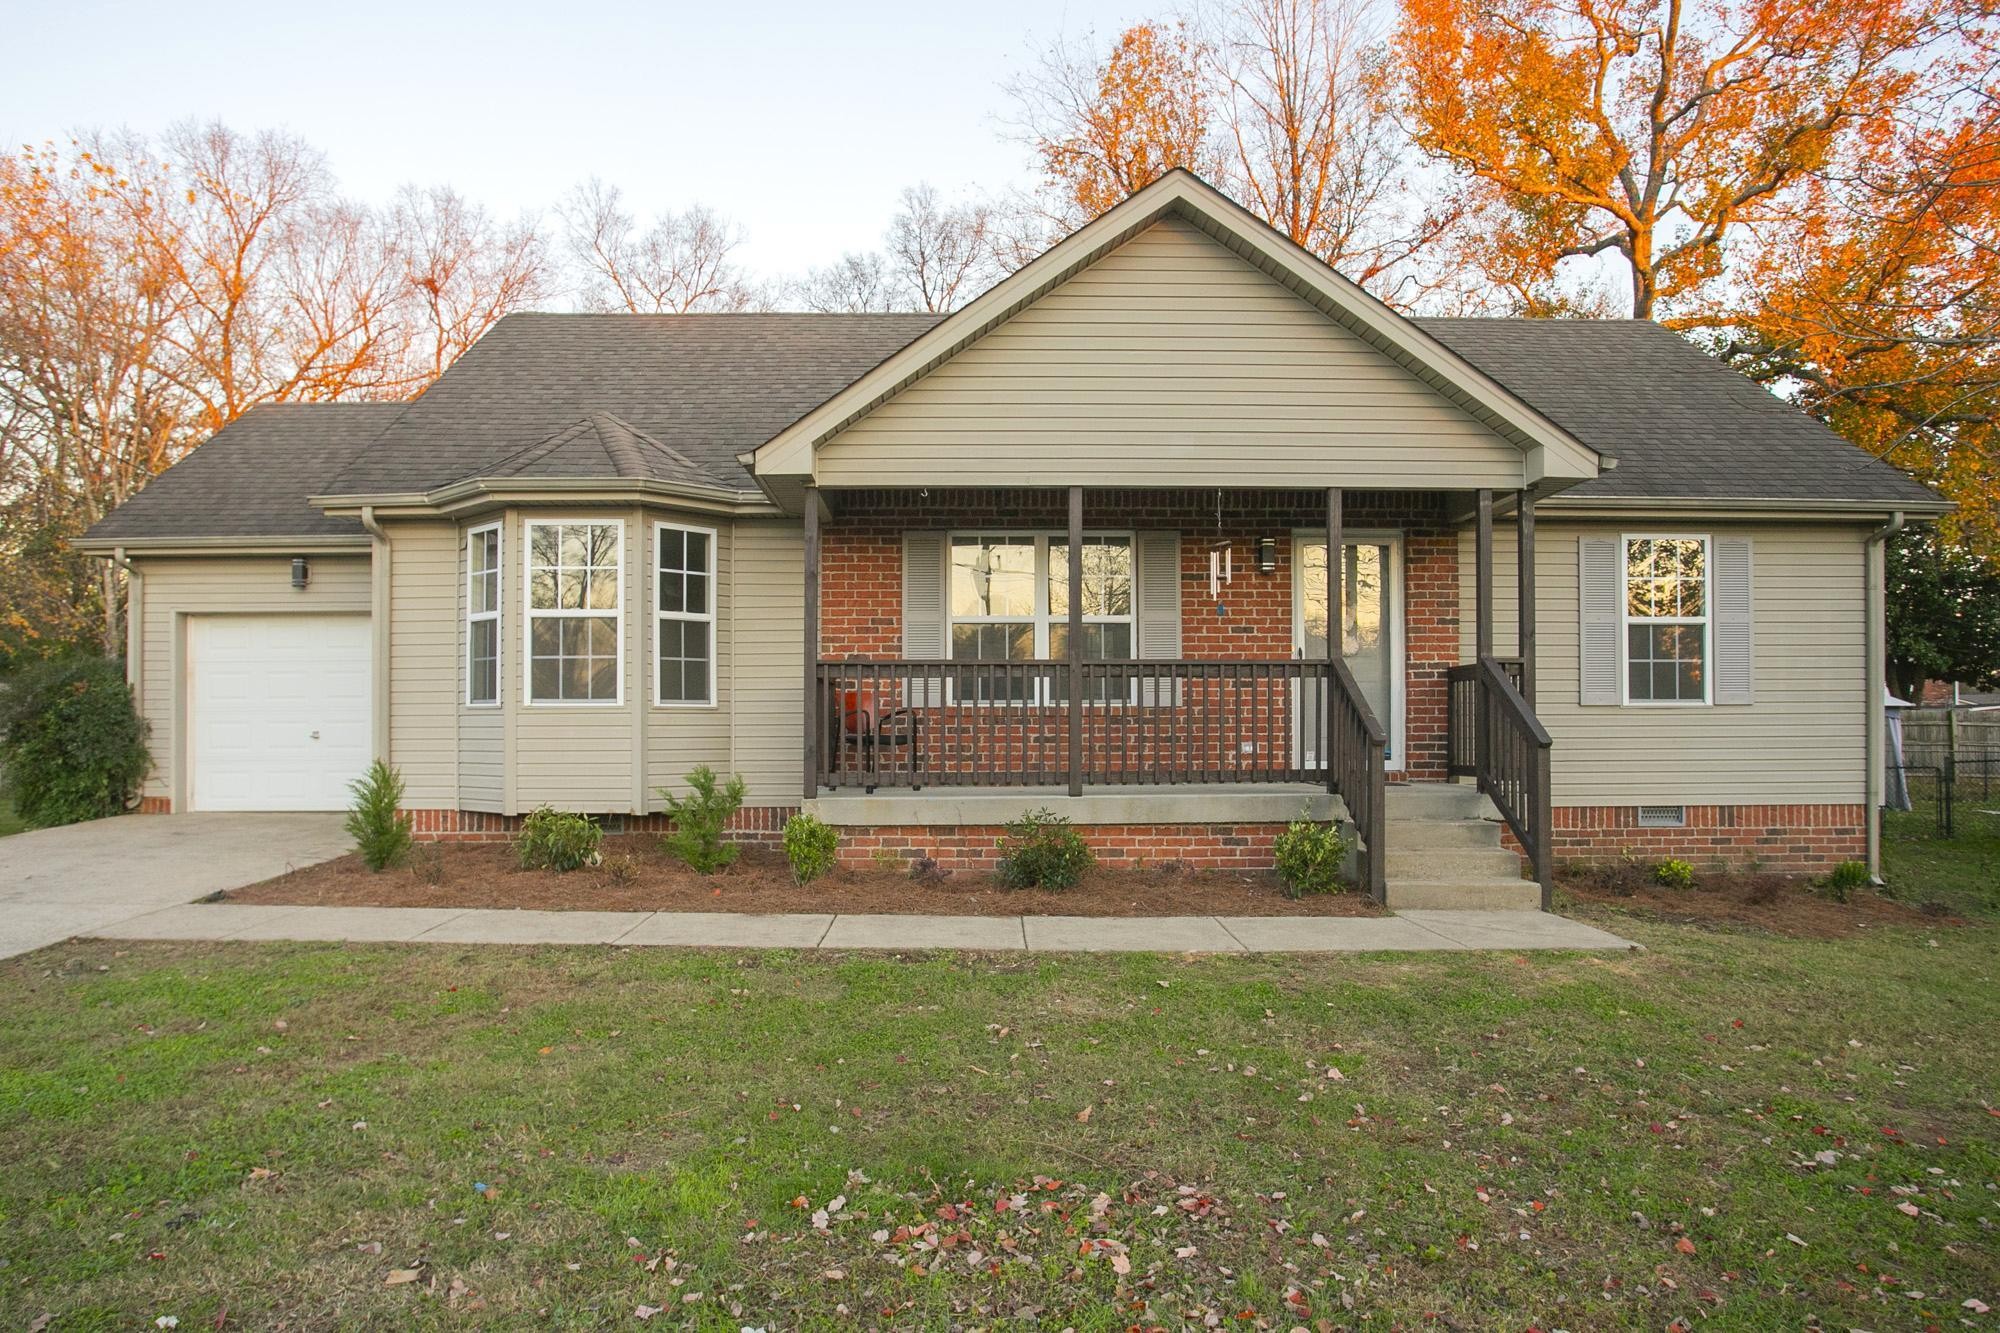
(867, 727)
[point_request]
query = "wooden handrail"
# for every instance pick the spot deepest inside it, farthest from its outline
(1513, 763)
(1357, 749)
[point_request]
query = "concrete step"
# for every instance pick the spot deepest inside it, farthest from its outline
(1442, 833)
(1436, 800)
(1442, 863)
(1458, 895)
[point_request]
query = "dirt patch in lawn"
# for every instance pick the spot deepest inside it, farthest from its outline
(637, 876)
(1782, 904)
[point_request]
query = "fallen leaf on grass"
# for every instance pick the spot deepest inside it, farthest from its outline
(1908, 1209)
(1684, 1245)
(1083, 1116)
(401, 1276)
(644, 1312)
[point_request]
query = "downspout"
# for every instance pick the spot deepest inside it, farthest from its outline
(1875, 567)
(378, 603)
(135, 609)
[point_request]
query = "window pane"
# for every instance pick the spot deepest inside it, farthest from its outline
(694, 637)
(697, 594)
(992, 576)
(603, 678)
(603, 636)
(697, 681)
(1666, 662)
(1107, 577)
(483, 655)
(672, 591)
(697, 552)
(544, 545)
(602, 590)
(542, 589)
(544, 636)
(673, 680)
(1666, 577)
(673, 549)
(993, 643)
(543, 677)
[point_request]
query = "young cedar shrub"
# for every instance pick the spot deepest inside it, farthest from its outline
(1841, 882)
(1310, 856)
(559, 841)
(375, 819)
(699, 818)
(72, 746)
(1674, 874)
(811, 845)
(1042, 851)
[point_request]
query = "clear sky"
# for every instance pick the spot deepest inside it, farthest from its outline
(802, 121)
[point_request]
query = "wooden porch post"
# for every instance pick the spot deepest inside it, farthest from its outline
(1075, 654)
(1336, 589)
(811, 636)
(1483, 628)
(1524, 529)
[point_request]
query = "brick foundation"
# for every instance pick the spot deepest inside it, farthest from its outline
(975, 847)
(154, 805)
(753, 825)
(1788, 839)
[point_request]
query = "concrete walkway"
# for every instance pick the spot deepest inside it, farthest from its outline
(60, 882)
(1405, 932)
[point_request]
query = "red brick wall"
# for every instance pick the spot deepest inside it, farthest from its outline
(861, 595)
(1788, 839)
(752, 824)
(976, 847)
(155, 805)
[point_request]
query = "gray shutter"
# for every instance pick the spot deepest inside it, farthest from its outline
(1158, 564)
(923, 605)
(1600, 589)
(1734, 683)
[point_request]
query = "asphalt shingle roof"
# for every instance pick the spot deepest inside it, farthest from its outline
(251, 478)
(1681, 424)
(676, 398)
(708, 387)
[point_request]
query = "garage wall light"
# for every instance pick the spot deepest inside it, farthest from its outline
(300, 572)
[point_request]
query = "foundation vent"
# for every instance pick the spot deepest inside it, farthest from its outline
(1663, 816)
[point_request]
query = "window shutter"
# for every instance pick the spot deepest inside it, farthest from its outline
(1600, 591)
(923, 606)
(1734, 683)
(1159, 595)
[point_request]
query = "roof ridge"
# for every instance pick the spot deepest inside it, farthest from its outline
(619, 445)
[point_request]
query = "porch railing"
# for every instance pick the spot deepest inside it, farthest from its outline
(1508, 750)
(1359, 747)
(915, 724)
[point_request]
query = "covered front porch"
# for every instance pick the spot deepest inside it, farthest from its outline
(1136, 656)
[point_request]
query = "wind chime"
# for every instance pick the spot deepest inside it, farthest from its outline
(1221, 560)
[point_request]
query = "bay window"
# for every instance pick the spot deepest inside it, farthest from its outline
(482, 615)
(575, 612)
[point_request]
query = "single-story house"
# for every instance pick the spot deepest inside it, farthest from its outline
(1082, 544)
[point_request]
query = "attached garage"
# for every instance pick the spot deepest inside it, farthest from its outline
(278, 710)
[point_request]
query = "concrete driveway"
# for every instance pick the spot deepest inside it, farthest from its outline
(59, 882)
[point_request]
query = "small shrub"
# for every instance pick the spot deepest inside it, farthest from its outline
(559, 841)
(1841, 882)
(812, 846)
(427, 863)
(1310, 856)
(622, 869)
(886, 858)
(1674, 874)
(699, 818)
(1042, 851)
(376, 822)
(72, 745)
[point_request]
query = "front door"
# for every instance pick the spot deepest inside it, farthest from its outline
(1371, 638)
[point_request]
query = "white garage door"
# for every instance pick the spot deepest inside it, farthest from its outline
(278, 710)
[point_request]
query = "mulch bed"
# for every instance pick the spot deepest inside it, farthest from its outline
(1781, 904)
(637, 876)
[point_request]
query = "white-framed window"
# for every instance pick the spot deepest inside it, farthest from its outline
(1667, 616)
(1008, 601)
(684, 616)
(482, 615)
(575, 598)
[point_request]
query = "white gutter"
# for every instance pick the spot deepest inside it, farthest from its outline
(135, 636)
(1876, 638)
(378, 605)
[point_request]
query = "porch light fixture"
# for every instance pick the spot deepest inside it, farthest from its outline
(301, 572)
(1267, 555)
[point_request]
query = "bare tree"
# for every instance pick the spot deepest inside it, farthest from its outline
(680, 264)
(859, 283)
(942, 253)
(460, 272)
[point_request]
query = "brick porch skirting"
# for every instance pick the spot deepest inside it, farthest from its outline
(752, 825)
(1788, 839)
(976, 847)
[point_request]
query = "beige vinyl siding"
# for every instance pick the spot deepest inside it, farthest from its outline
(197, 585)
(1174, 354)
(1800, 742)
(766, 619)
(423, 660)
(681, 736)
